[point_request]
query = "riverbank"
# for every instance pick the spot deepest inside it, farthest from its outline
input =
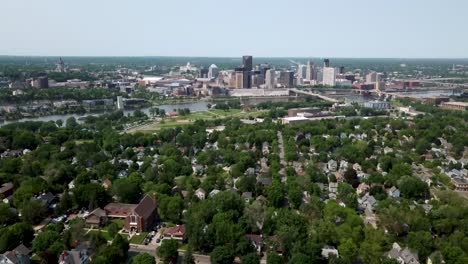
(172, 122)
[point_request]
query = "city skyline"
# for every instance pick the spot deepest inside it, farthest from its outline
(361, 29)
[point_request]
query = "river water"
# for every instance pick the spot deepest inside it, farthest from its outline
(202, 105)
(193, 106)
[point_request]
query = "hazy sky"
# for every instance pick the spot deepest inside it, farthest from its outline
(267, 28)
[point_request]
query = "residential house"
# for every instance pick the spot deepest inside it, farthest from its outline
(367, 202)
(7, 190)
(362, 188)
(265, 148)
(247, 196)
(19, 255)
(256, 241)
(332, 165)
(97, 218)
(176, 233)
(106, 184)
(394, 192)
(200, 193)
(461, 184)
(343, 165)
(75, 256)
(329, 250)
(264, 181)
(214, 192)
(435, 258)
(71, 184)
(402, 255)
(333, 187)
(357, 167)
(138, 217)
(47, 199)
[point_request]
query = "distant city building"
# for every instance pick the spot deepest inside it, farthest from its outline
(213, 71)
(257, 79)
(270, 79)
(372, 77)
(329, 78)
(204, 73)
(188, 68)
(247, 79)
(239, 76)
(120, 103)
(61, 66)
(302, 71)
(286, 79)
(341, 70)
(247, 63)
(40, 82)
(462, 106)
(377, 105)
(326, 63)
(310, 71)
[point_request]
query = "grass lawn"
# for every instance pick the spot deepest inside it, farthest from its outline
(198, 115)
(119, 221)
(138, 239)
(183, 247)
(105, 234)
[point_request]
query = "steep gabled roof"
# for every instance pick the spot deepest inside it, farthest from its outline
(146, 207)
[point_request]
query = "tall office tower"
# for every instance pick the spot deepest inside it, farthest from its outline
(256, 79)
(286, 79)
(302, 71)
(341, 71)
(270, 79)
(264, 67)
(203, 73)
(213, 71)
(61, 66)
(329, 76)
(372, 77)
(310, 74)
(326, 63)
(247, 79)
(239, 78)
(247, 63)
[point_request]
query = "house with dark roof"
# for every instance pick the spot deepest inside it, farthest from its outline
(97, 218)
(19, 255)
(138, 217)
(256, 241)
(6, 190)
(75, 256)
(402, 255)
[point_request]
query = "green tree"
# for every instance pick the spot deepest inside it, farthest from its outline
(7, 216)
(33, 212)
(44, 240)
(275, 193)
(421, 242)
(143, 258)
(188, 257)
(274, 258)
(126, 190)
(251, 258)
(168, 251)
(222, 255)
(348, 250)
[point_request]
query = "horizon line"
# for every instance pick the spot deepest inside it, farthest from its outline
(228, 57)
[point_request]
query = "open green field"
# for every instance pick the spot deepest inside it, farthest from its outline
(192, 117)
(138, 239)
